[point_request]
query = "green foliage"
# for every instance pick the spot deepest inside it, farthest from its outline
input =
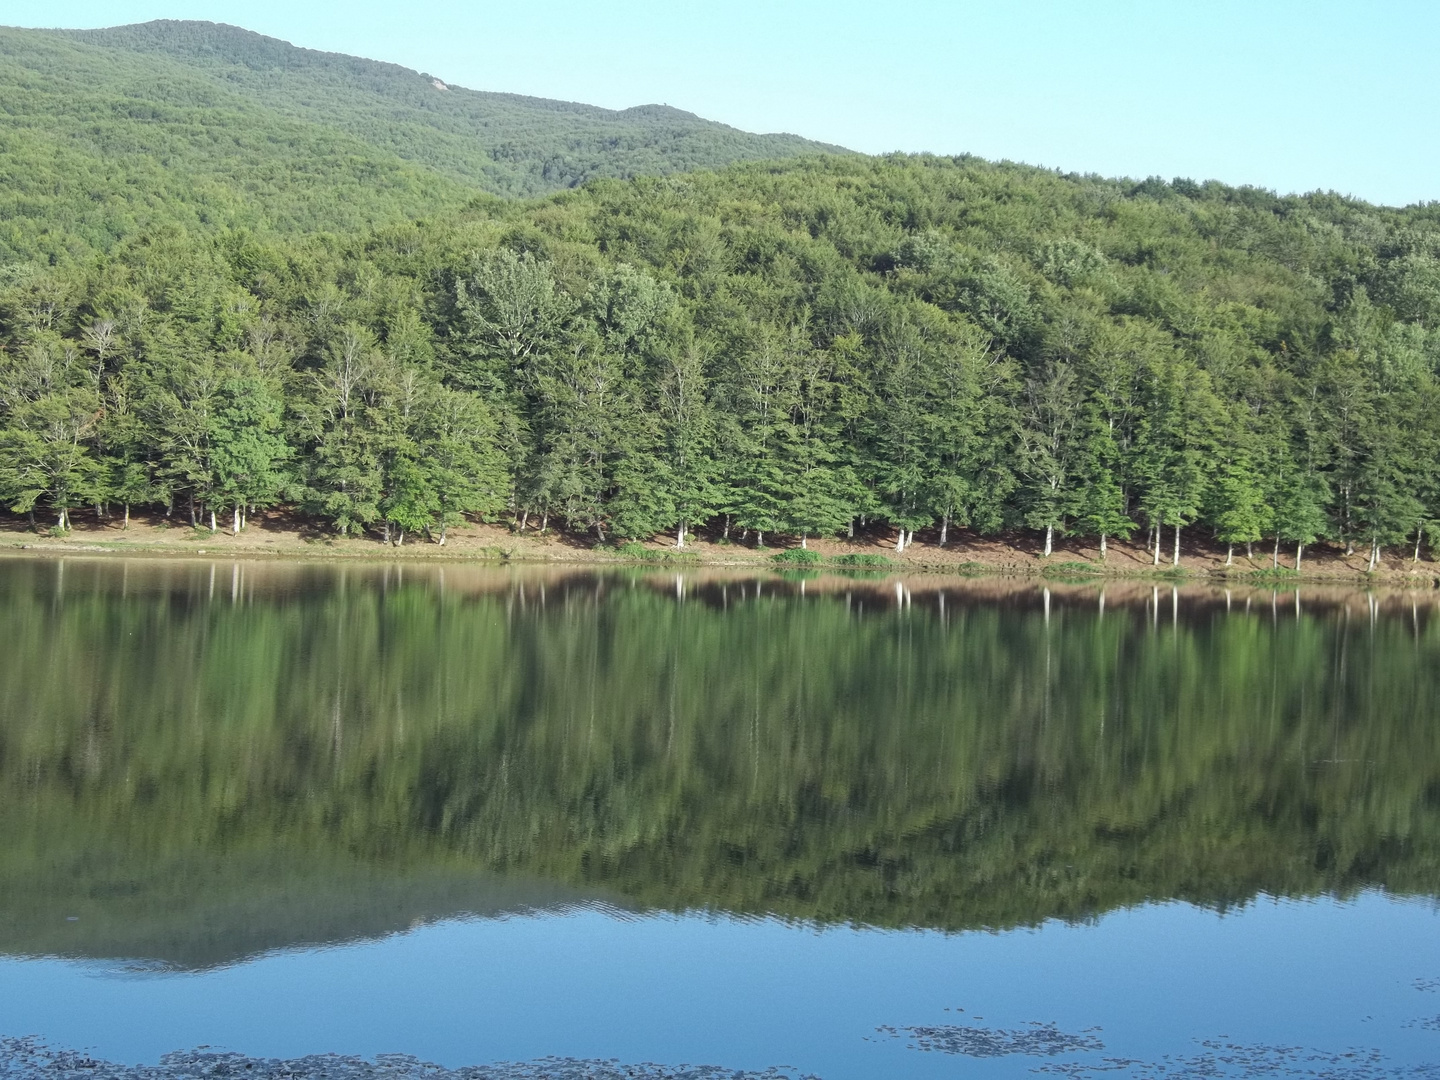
(782, 350)
(1070, 569)
(863, 560)
(109, 132)
(797, 557)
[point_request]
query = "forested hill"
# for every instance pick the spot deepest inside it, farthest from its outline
(106, 131)
(791, 349)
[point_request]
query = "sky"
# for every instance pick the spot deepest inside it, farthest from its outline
(1284, 94)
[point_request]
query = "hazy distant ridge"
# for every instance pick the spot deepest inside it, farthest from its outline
(507, 143)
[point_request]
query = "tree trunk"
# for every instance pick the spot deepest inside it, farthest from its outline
(725, 532)
(759, 538)
(1229, 554)
(127, 521)
(33, 526)
(1176, 560)
(1374, 554)
(524, 519)
(900, 542)
(214, 527)
(803, 545)
(1419, 532)
(544, 522)
(1049, 540)
(1104, 549)
(442, 530)
(1299, 548)
(235, 521)
(944, 529)
(680, 535)
(1250, 550)
(193, 523)
(1275, 562)
(850, 529)
(1155, 554)
(400, 538)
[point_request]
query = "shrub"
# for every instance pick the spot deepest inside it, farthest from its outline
(797, 557)
(863, 560)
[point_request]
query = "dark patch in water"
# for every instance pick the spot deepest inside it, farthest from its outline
(1221, 1060)
(1035, 1039)
(29, 1058)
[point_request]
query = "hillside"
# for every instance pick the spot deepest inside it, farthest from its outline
(909, 346)
(107, 132)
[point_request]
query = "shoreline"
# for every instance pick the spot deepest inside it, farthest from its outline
(971, 557)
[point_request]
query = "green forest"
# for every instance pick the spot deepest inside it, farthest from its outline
(107, 132)
(182, 737)
(762, 353)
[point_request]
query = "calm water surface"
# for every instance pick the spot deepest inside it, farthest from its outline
(856, 827)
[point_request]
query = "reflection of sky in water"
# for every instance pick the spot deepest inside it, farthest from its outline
(754, 993)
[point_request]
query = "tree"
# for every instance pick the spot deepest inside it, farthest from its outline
(248, 449)
(1049, 448)
(465, 468)
(1174, 446)
(1300, 514)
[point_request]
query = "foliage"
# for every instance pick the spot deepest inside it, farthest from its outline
(108, 131)
(796, 349)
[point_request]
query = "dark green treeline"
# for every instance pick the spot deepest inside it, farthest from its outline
(739, 747)
(799, 349)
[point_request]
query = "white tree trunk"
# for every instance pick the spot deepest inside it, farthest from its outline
(1275, 562)
(803, 545)
(1229, 554)
(235, 521)
(680, 535)
(213, 526)
(900, 542)
(1176, 560)
(1049, 540)
(1299, 549)
(127, 525)
(1374, 554)
(945, 529)
(1104, 548)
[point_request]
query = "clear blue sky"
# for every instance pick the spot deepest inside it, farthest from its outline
(1288, 94)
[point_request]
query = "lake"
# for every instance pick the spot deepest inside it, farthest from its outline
(705, 824)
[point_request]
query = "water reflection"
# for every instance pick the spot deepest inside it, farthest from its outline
(199, 761)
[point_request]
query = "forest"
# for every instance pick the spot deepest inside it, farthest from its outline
(764, 354)
(104, 133)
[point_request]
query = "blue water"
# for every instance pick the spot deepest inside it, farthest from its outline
(751, 993)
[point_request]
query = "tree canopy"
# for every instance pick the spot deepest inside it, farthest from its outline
(775, 349)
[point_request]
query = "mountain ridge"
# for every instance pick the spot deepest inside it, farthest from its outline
(104, 133)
